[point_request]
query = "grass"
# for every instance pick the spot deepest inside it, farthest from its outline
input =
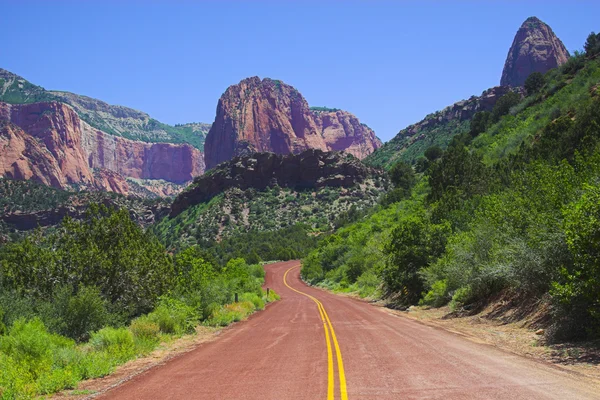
(35, 362)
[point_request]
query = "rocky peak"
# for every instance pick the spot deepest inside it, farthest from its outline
(535, 48)
(270, 116)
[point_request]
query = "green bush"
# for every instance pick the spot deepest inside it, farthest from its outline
(437, 296)
(257, 301)
(174, 317)
(144, 328)
(76, 315)
(117, 342)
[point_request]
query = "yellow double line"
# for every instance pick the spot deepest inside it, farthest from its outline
(328, 327)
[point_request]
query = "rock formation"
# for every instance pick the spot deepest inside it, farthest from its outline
(535, 49)
(268, 115)
(49, 143)
(309, 169)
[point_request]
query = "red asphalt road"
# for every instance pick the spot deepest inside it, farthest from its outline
(281, 354)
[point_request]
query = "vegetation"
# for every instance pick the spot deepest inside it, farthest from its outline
(324, 109)
(98, 292)
(29, 198)
(510, 206)
(409, 146)
(234, 213)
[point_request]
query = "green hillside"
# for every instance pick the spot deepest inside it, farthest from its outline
(510, 207)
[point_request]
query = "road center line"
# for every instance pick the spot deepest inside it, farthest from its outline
(326, 324)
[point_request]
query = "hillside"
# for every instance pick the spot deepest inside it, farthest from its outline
(435, 129)
(27, 205)
(509, 210)
(114, 120)
(269, 192)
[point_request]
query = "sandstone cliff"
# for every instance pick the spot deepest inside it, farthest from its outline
(535, 48)
(269, 116)
(310, 169)
(112, 119)
(49, 143)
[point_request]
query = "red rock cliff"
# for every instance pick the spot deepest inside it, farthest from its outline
(49, 143)
(535, 49)
(269, 116)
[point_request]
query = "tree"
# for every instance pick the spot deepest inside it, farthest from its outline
(480, 122)
(534, 82)
(592, 45)
(458, 171)
(403, 178)
(414, 243)
(504, 104)
(402, 175)
(579, 288)
(433, 153)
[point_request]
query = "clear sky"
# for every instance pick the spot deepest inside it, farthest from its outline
(389, 62)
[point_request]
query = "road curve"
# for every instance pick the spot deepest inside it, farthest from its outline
(295, 348)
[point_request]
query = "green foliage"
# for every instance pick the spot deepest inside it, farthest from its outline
(75, 315)
(480, 122)
(592, 45)
(107, 251)
(534, 82)
(413, 244)
(504, 104)
(324, 109)
(578, 287)
(433, 153)
(403, 178)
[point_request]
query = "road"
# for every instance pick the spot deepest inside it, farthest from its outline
(315, 345)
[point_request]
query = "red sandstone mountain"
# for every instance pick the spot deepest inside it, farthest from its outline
(49, 143)
(269, 116)
(534, 49)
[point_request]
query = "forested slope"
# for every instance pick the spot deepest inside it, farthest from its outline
(512, 205)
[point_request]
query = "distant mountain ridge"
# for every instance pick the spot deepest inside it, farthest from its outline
(49, 143)
(112, 119)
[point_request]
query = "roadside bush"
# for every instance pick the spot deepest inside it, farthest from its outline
(118, 342)
(76, 315)
(174, 317)
(257, 301)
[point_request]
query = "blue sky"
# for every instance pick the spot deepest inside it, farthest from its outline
(389, 62)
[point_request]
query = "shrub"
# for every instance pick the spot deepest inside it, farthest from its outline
(117, 342)
(76, 315)
(534, 82)
(30, 344)
(144, 328)
(257, 301)
(437, 296)
(174, 316)
(16, 380)
(461, 297)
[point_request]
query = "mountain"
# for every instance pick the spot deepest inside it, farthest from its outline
(114, 120)
(267, 191)
(535, 48)
(49, 143)
(270, 116)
